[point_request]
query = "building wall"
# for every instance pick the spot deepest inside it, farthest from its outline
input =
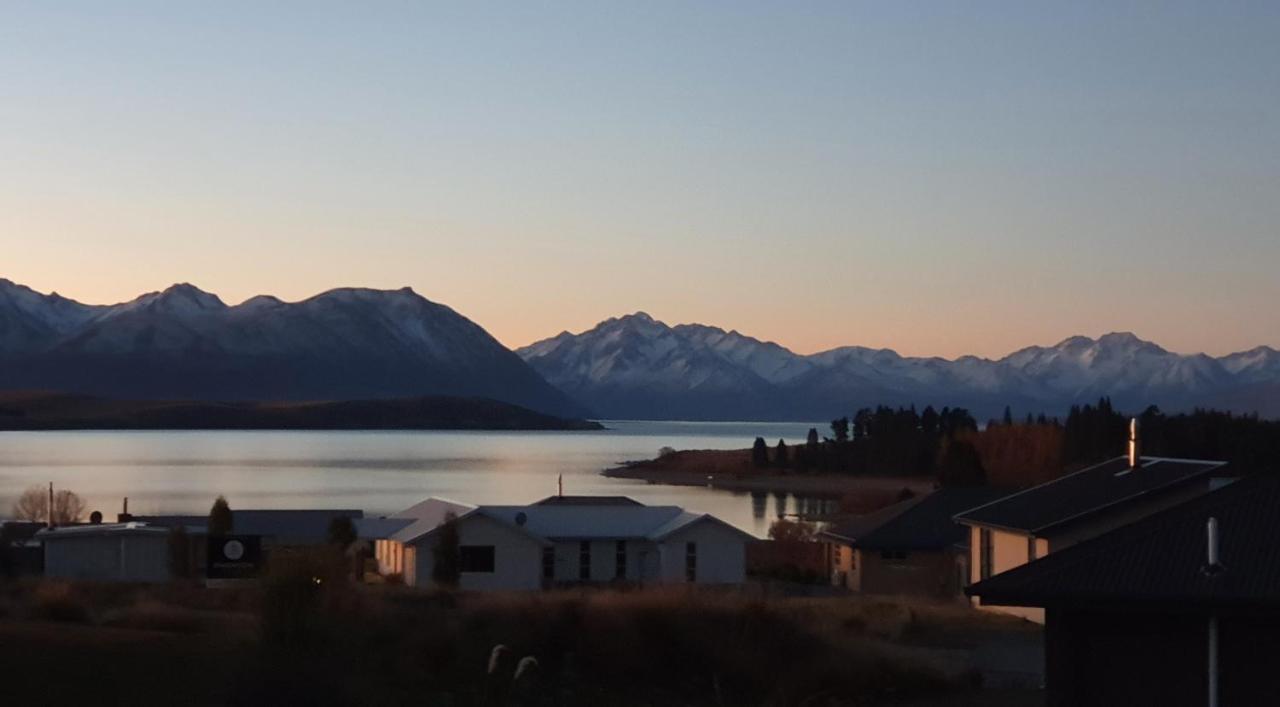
(721, 555)
(932, 574)
(1009, 550)
(124, 558)
(1128, 657)
(640, 565)
(517, 561)
(846, 569)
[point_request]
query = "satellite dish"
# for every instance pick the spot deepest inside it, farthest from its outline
(521, 518)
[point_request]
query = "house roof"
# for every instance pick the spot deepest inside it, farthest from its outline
(81, 531)
(284, 527)
(579, 520)
(1088, 491)
(924, 522)
(588, 501)
(1162, 559)
(418, 519)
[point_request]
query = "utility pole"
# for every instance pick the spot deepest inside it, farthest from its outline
(50, 504)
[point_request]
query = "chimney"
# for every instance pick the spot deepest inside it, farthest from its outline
(1213, 563)
(1135, 445)
(123, 516)
(560, 485)
(50, 504)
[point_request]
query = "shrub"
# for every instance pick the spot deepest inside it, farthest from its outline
(56, 601)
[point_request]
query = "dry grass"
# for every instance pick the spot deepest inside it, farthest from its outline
(329, 643)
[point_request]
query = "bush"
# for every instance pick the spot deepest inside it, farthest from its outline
(56, 601)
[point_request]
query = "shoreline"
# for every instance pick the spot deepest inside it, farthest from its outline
(729, 470)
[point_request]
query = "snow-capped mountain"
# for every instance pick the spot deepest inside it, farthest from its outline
(187, 343)
(635, 366)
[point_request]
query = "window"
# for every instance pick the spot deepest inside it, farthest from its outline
(691, 562)
(986, 552)
(584, 560)
(620, 561)
(1031, 548)
(548, 563)
(475, 558)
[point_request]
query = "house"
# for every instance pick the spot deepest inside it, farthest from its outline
(1179, 608)
(560, 541)
(1019, 528)
(114, 552)
(911, 547)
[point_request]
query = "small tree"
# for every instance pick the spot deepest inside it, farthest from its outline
(33, 505)
(342, 532)
(791, 530)
(959, 464)
(760, 453)
(666, 452)
(781, 456)
(447, 568)
(220, 519)
(811, 441)
(840, 430)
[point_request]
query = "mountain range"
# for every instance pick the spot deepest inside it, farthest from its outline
(637, 367)
(184, 343)
(362, 344)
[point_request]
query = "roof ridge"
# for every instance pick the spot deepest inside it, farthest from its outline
(1002, 499)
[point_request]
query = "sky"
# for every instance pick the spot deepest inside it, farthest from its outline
(936, 178)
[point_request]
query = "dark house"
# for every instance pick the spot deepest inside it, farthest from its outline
(912, 547)
(1018, 528)
(1179, 608)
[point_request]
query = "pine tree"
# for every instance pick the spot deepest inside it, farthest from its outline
(780, 455)
(760, 453)
(221, 521)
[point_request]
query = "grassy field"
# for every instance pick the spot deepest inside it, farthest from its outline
(294, 641)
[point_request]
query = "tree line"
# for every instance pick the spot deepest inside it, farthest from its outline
(1009, 451)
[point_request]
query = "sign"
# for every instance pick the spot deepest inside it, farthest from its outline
(234, 556)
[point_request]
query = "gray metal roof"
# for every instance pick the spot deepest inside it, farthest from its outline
(283, 527)
(925, 522)
(1088, 491)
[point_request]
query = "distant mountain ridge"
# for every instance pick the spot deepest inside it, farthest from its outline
(636, 366)
(184, 343)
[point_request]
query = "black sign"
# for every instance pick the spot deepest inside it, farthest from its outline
(234, 556)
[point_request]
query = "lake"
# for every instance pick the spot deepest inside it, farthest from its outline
(378, 472)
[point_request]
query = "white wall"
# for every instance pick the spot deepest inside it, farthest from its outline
(721, 554)
(517, 557)
(123, 558)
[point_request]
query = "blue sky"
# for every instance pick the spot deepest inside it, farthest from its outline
(936, 178)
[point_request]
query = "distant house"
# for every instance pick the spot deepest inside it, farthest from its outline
(561, 540)
(112, 552)
(1019, 528)
(1179, 608)
(912, 547)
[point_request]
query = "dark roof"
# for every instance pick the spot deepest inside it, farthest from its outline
(1161, 559)
(588, 501)
(1087, 491)
(284, 527)
(925, 522)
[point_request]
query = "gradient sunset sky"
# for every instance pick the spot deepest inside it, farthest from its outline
(938, 178)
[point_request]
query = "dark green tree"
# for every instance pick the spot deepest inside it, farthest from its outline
(781, 456)
(221, 521)
(960, 465)
(1008, 416)
(342, 532)
(840, 430)
(760, 453)
(811, 440)
(179, 552)
(447, 566)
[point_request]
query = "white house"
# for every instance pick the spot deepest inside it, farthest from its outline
(562, 540)
(117, 552)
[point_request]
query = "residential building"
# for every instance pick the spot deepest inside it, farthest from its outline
(1021, 527)
(561, 541)
(1179, 608)
(911, 547)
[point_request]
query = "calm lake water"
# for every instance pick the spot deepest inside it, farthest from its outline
(378, 472)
